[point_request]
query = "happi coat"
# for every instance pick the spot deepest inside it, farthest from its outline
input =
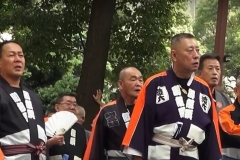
(22, 129)
(108, 131)
(169, 124)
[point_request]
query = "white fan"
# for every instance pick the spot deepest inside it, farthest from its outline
(60, 123)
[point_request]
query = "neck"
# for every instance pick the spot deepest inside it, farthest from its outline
(211, 89)
(181, 74)
(12, 82)
(128, 100)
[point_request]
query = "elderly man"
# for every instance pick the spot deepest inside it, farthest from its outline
(111, 123)
(80, 113)
(173, 115)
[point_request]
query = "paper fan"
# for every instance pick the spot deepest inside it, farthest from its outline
(60, 123)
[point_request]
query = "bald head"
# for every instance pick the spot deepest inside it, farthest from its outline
(80, 113)
(130, 83)
(178, 37)
(125, 71)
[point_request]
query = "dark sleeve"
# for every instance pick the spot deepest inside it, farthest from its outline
(95, 147)
(140, 129)
(210, 148)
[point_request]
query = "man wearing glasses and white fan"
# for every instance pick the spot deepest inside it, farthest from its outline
(74, 143)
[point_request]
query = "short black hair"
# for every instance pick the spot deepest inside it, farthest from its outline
(207, 56)
(50, 110)
(178, 37)
(2, 44)
(59, 98)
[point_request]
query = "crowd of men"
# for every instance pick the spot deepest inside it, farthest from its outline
(177, 114)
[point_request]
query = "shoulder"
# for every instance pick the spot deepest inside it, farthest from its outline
(31, 92)
(155, 77)
(200, 81)
(222, 94)
(108, 106)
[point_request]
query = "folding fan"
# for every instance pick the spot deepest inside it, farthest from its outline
(60, 123)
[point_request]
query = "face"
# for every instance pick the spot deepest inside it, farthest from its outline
(131, 83)
(81, 115)
(12, 62)
(68, 103)
(185, 55)
(211, 72)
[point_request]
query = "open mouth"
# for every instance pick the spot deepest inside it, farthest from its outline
(18, 67)
(214, 79)
(137, 90)
(195, 64)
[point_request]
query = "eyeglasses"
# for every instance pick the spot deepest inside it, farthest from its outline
(70, 104)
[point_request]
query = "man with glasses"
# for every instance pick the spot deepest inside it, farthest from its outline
(75, 137)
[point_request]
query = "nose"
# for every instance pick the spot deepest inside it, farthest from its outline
(196, 54)
(139, 83)
(215, 71)
(17, 58)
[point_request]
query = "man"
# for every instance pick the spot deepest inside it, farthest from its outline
(75, 138)
(229, 118)
(173, 115)
(80, 113)
(210, 71)
(22, 131)
(111, 123)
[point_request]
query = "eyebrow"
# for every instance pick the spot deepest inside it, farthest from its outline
(71, 101)
(15, 51)
(213, 65)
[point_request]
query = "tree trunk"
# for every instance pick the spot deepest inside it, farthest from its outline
(95, 56)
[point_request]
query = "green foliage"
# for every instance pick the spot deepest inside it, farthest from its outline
(205, 30)
(53, 34)
(140, 34)
(68, 83)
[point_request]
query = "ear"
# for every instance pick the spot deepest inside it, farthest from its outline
(57, 107)
(120, 84)
(173, 55)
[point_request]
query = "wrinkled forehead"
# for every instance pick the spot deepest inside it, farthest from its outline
(188, 43)
(133, 74)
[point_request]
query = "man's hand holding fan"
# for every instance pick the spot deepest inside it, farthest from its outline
(58, 124)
